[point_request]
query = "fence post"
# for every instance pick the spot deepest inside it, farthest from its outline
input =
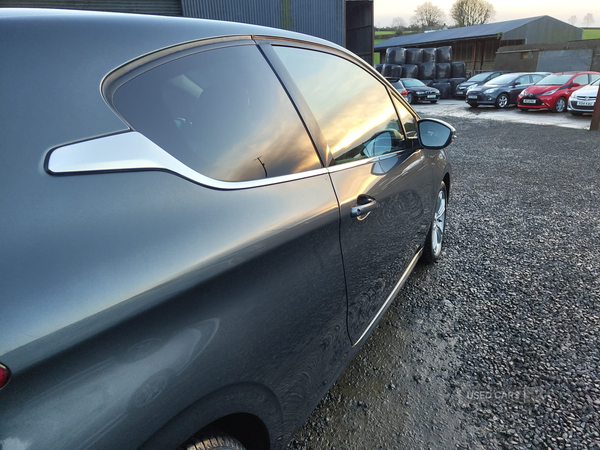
(596, 114)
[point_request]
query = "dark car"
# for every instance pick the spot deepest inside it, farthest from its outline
(417, 91)
(477, 80)
(202, 222)
(502, 91)
(553, 92)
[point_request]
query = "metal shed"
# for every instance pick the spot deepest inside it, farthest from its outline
(348, 23)
(477, 45)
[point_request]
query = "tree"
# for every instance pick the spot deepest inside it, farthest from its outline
(573, 20)
(428, 15)
(398, 23)
(471, 12)
(588, 19)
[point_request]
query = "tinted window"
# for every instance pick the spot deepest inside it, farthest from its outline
(222, 112)
(582, 79)
(351, 107)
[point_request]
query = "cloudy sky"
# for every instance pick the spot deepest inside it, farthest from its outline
(386, 10)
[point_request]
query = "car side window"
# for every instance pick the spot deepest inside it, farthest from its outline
(522, 80)
(222, 112)
(353, 109)
(582, 79)
(407, 119)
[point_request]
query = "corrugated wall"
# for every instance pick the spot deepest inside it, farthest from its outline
(321, 18)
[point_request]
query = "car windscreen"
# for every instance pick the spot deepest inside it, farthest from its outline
(502, 80)
(555, 80)
(596, 83)
(398, 85)
(412, 83)
(479, 77)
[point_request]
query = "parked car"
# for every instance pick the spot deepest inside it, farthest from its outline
(202, 223)
(552, 92)
(502, 91)
(398, 85)
(477, 80)
(583, 100)
(417, 91)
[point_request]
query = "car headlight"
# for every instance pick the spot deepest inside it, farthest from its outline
(489, 91)
(550, 92)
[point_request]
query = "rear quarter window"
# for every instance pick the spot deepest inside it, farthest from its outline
(222, 112)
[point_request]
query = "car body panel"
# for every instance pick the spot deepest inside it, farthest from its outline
(402, 215)
(140, 306)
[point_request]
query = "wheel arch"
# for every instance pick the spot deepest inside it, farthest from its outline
(446, 181)
(248, 412)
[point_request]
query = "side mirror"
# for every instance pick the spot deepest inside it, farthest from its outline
(435, 134)
(575, 84)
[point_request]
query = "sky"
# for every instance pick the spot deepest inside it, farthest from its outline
(386, 10)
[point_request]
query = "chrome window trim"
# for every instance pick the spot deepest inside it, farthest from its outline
(132, 151)
(360, 162)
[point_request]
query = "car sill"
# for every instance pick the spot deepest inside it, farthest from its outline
(392, 295)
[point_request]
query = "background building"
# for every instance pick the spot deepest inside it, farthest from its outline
(477, 45)
(348, 23)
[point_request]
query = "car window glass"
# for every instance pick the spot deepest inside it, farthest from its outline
(352, 108)
(536, 78)
(522, 80)
(581, 79)
(407, 119)
(594, 77)
(222, 112)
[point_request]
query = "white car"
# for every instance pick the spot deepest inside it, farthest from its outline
(583, 100)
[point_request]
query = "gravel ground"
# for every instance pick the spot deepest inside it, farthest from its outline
(498, 344)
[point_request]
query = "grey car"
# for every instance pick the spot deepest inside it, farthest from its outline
(476, 80)
(202, 222)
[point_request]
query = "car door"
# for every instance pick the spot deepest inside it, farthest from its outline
(521, 83)
(383, 186)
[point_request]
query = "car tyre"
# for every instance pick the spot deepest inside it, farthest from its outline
(410, 98)
(212, 441)
(435, 238)
(560, 105)
(502, 101)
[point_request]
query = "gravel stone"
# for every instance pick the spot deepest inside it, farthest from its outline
(497, 345)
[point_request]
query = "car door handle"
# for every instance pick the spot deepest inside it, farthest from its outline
(365, 205)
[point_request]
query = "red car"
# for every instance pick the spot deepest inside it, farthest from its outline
(553, 91)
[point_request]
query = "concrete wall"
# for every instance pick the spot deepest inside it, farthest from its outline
(558, 57)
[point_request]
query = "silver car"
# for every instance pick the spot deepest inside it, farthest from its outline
(583, 100)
